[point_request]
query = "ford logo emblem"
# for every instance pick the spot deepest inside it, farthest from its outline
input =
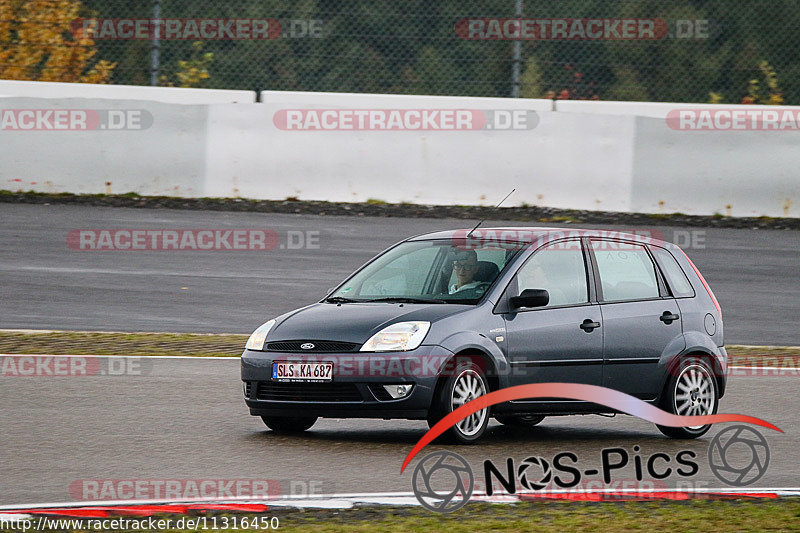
(307, 346)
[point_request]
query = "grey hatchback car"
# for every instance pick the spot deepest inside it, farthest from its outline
(440, 319)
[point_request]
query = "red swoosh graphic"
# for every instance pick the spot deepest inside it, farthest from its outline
(590, 393)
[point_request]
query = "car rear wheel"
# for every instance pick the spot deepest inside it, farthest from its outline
(520, 421)
(692, 390)
(289, 424)
(465, 384)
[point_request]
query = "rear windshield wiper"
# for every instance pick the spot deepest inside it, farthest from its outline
(340, 300)
(407, 300)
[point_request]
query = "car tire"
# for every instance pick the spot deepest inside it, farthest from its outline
(691, 390)
(519, 421)
(466, 383)
(289, 424)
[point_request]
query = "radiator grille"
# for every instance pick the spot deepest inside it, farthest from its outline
(318, 346)
(308, 392)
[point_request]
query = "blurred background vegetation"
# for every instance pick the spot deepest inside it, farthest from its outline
(741, 52)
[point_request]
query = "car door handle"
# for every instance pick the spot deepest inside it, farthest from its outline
(668, 318)
(589, 325)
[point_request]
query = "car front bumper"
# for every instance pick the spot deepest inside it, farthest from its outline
(357, 387)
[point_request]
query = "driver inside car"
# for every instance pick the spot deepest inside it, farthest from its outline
(465, 267)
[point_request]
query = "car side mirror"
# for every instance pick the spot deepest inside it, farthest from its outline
(530, 298)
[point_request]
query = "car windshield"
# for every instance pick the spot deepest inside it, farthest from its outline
(437, 271)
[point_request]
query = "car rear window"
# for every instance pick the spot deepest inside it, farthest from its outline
(626, 271)
(676, 277)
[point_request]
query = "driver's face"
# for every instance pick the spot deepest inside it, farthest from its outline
(465, 270)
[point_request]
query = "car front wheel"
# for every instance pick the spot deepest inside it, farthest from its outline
(691, 391)
(289, 424)
(465, 384)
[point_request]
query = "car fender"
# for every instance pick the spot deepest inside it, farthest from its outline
(697, 343)
(465, 341)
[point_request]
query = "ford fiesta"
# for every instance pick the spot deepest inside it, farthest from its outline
(440, 319)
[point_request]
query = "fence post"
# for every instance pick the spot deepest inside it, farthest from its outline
(155, 50)
(515, 65)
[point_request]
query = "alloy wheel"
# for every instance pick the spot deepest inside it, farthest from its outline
(694, 392)
(467, 387)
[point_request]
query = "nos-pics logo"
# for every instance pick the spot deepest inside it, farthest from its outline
(443, 481)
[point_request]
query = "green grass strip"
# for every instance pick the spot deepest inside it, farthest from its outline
(231, 345)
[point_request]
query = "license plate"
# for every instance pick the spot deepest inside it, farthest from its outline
(314, 372)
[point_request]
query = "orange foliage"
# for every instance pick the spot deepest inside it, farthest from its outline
(36, 43)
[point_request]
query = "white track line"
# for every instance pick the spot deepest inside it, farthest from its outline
(348, 500)
(196, 357)
(237, 357)
(765, 368)
(43, 331)
(14, 517)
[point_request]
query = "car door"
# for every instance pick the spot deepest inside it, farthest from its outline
(641, 323)
(562, 341)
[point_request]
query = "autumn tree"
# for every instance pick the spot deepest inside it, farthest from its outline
(36, 43)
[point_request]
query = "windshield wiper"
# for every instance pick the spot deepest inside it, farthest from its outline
(340, 300)
(407, 300)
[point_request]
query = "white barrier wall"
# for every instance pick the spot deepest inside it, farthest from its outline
(253, 158)
(645, 109)
(164, 159)
(575, 157)
(171, 95)
(400, 101)
(735, 173)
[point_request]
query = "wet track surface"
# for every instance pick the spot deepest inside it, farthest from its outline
(46, 285)
(186, 420)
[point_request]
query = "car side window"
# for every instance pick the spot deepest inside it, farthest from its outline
(676, 277)
(560, 269)
(626, 271)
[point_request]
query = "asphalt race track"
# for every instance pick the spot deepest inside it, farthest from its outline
(46, 285)
(185, 418)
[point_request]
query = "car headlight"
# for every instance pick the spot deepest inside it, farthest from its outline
(256, 340)
(401, 337)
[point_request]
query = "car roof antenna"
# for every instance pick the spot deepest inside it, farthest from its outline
(469, 235)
